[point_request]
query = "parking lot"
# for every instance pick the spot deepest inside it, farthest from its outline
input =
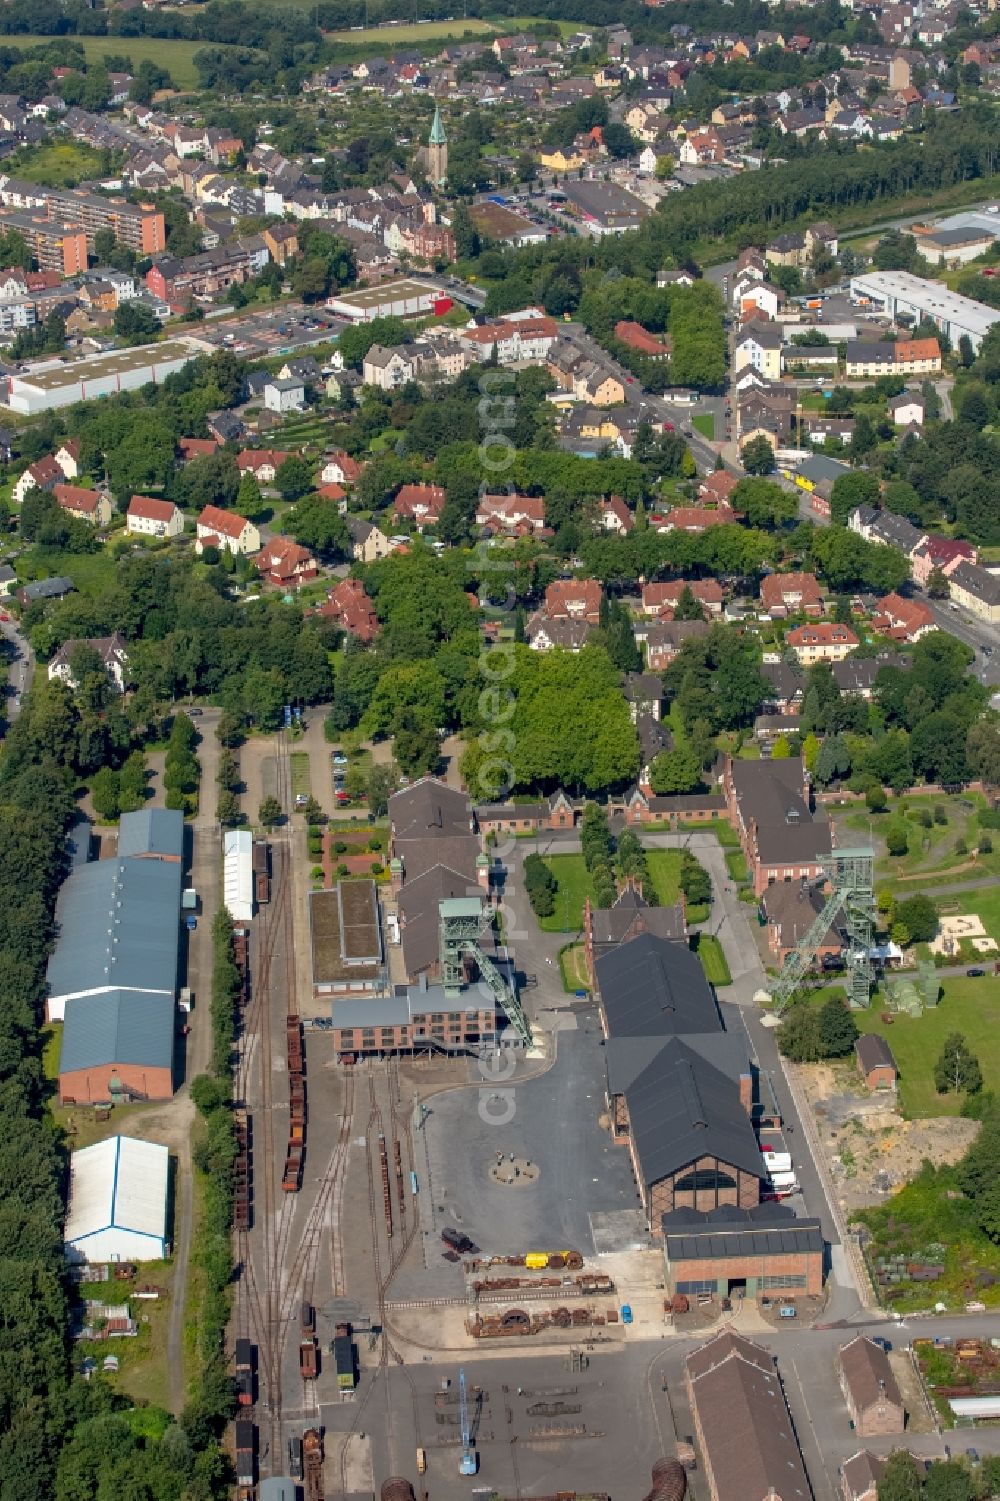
(287, 329)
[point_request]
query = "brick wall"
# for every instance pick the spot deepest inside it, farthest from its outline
(93, 1085)
(793, 1264)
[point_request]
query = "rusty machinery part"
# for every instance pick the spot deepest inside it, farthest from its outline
(669, 1481)
(397, 1488)
(515, 1318)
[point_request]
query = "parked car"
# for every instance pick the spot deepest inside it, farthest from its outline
(976, 973)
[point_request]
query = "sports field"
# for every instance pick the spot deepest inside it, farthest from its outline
(167, 52)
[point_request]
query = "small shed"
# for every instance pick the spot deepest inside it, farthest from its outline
(117, 1207)
(875, 1060)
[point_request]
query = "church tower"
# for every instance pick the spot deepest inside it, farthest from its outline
(437, 151)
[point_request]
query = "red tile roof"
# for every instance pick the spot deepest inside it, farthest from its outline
(578, 599)
(76, 498)
(151, 508)
(225, 523)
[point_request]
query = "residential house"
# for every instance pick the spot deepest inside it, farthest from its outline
(543, 633)
(663, 639)
(907, 410)
(391, 368)
(784, 594)
(661, 600)
(67, 456)
(870, 357)
(639, 339)
(226, 531)
(421, 504)
(903, 619)
(349, 606)
(111, 651)
(149, 517)
(287, 395)
(574, 599)
(693, 518)
(43, 474)
(512, 515)
(860, 1475)
(759, 346)
(823, 642)
(613, 515)
(283, 562)
(789, 909)
(886, 528)
(262, 463)
(943, 553)
(368, 542)
(196, 448)
(976, 591)
(340, 469)
(92, 506)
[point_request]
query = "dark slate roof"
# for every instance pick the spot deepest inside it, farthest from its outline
(770, 793)
(118, 1026)
(681, 1108)
(874, 1052)
(767, 1230)
(631, 915)
(653, 988)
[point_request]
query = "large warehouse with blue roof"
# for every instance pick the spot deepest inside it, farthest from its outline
(112, 977)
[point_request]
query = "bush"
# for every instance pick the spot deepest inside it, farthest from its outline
(540, 885)
(896, 841)
(926, 819)
(985, 844)
(875, 798)
(316, 874)
(940, 814)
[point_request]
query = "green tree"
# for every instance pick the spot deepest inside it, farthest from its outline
(675, 771)
(896, 840)
(293, 478)
(938, 586)
(798, 1034)
(466, 235)
(135, 323)
(850, 491)
(957, 1067)
(383, 779)
(758, 456)
(249, 502)
(270, 812)
(919, 913)
(764, 503)
(836, 1028)
(901, 1479)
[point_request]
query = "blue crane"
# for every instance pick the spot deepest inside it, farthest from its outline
(470, 1459)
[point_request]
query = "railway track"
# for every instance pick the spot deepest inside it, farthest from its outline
(386, 1260)
(260, 1288)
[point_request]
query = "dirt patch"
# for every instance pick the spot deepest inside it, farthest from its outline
(870, 1149)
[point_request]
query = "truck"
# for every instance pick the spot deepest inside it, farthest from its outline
(778, 1162)
(309, 1358)
(421, 1461)
(781, 1185)
(312, 1458)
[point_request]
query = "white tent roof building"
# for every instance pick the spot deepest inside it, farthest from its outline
(237, 873)
(118, 1202)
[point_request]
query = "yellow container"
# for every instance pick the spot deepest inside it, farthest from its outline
(537, 1260)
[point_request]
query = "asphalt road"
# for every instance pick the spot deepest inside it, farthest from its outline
(22, 668)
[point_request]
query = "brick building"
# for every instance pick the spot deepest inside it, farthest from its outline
(876, 1062)
(781, 834)
(764, 1251)
(742, 1423)
(680, 1088)
(870, 1388)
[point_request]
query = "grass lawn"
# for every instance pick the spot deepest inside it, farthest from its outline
(167, 52)
(704, 423)
(971, 1007)
(664, 872)
(736, 865)
(713, 960)
(574, 888)
(93, 573)
(300, 773)
(51, 1044)
(573, 966)
(932, 851)
(58, 164)
(417, 31)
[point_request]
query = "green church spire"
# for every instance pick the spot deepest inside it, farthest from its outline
(438, 137)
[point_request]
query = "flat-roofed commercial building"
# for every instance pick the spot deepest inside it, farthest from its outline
(346, 934)
(61, 383)
(763, 1251)
(405, 298)
(900, 292)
